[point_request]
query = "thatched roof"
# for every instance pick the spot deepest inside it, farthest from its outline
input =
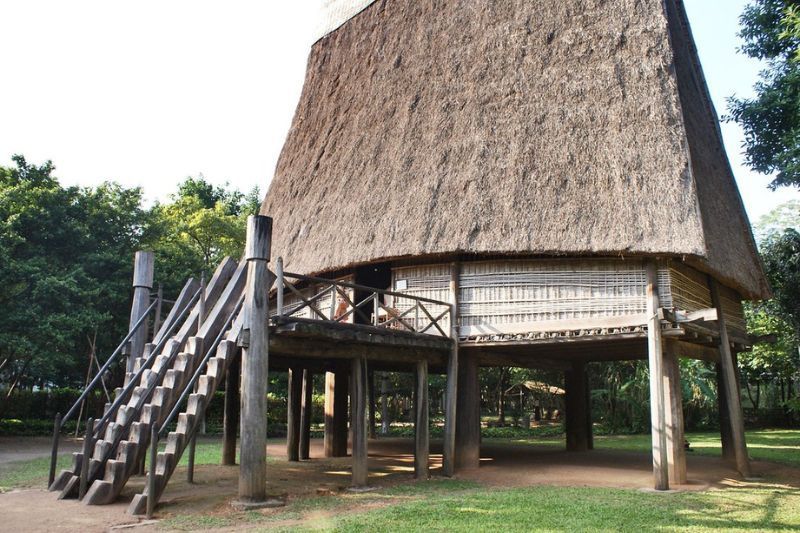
(554, 127)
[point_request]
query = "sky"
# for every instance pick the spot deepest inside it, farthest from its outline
(147, 93)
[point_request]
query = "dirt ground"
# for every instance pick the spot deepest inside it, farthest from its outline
(390, 463)
(14, 449)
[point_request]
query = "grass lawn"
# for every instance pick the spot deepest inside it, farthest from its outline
(455, 505)
(778, 445)
(451, 505)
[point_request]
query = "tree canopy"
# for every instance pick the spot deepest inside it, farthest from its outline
(771, 119)
(66, 258)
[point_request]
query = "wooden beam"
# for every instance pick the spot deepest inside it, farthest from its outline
(421, 431)
(306, 411)
(294, 402)
(731, 387)
(358, 400)
(451, 394)
(230, 423)
(655, 351)
(673, 401)
(255, 364)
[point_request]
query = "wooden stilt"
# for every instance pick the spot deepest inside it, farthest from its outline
(575, 400)
(468, 415)
(421, 431)
(335, 440)
(230, 423)
(359, 423)
(726, 435)
(306, 410)
(673, 403)
(589, 426)
(294, 400)
(451, 394)
(329, 435)
(385, 422)
(340, 392)
(655, 351)
(730, 387)
(255, 364)
(371, 402)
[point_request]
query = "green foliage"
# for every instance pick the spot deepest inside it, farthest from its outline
(66, 264)
(196, 229)
(770, 370)
(65, 260)
(771, 120)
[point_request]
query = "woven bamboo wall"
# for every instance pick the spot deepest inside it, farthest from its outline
(513, 297)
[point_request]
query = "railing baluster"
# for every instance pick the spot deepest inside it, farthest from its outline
(335, 289)
(332, 313)
(279, 286)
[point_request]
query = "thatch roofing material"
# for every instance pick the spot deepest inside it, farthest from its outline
(552, 127)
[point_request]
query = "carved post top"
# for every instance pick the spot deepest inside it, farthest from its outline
(143, 269)
(259, 237)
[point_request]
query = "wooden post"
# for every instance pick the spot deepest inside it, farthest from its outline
(421, 431)
(731, 387)
(230, 422)
(142, 284)
(371, 402)
(451, 396)
(340, 392)
(575, 403)
(335, 440)
(468, 413)
(655, 351)
(328, 432)
(358, 400)
(54, 450)
(673, 402)
(306, 411)
(385, 422)
(726, 435)
(294, 401)
(589, 426)
(88, 445)
(255, 364)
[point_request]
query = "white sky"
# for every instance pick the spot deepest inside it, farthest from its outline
(149, 92)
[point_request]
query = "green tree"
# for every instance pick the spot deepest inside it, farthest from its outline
(771, 120)
(197, 228)
(65, 268)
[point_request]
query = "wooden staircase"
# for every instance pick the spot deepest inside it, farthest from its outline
(122, 441)
(190, 419)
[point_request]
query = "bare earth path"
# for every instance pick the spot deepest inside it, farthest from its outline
(391, 462)
(13, 449)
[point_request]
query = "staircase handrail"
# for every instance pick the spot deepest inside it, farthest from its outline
(200, 368)
(146, 364)
(157, 434)
(60, 421)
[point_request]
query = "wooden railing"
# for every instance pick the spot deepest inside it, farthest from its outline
(332, 300)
